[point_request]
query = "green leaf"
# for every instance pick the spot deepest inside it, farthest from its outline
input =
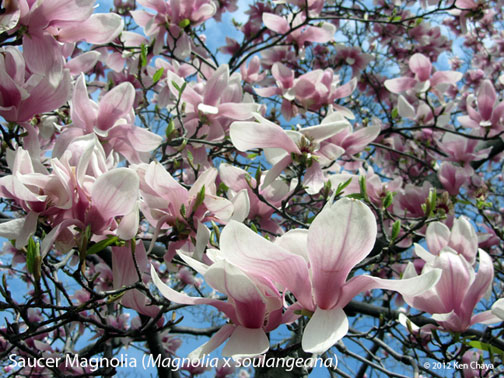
(387, 201)
(363, 189)
(395, 113)
(175, 85)
(190, 157)
(115, 297)
(183, 210)
(32, 256)
(343, 185)
(170, 129)
(223, 188)
(485, 347)
(184, 23)
(143, 55)
(101, 245)
(182, 88)
(355, 196)
(396, 229)
(254, 228)
(157, 75)
(199, 198)
(258, 175)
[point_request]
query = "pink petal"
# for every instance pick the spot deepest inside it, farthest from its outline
(84, 111)
(275, 23)
(98, 29)
(357, 141)
(437, 237)
(283, 75)
(486, 99)
(249, 135)
(481, 284)
(268, 91)
(216, 85)
(409, 287)
(421, 66)
(314, 179)
(237, 111)
(346, 89)
(115, 104)
(339, 238)
(455, 280)
(486, 317)
(400, 84)
(448, 77)
(498, 308)
(261, 258)
(182, 298)
(315, 34)
(275, 171)
(83, 62)
(463, 239)
(115, 192)
(324, 131)
(405, 109)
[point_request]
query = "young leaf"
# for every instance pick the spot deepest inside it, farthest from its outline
(101, 245)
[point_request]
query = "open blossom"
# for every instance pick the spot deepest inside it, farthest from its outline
(68, 21)
(490, 110)
(454, 298)
(167, 204)
(237, 180)
(461, 238)
(166, 23)
(253, 308)
(284, 147)
(423, 79)
(82, 190)
(27, 87)
(463, 150)
(311, 90)
(213, 104)
(112, 120)
(314, 265)
(300, 35)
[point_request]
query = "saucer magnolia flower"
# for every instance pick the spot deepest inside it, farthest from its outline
(252, 308)
(489, 112)
(168, 21)
(166, 203)
(463, 150)
(453, 177)
(69, 21)
(239, 181)
(284, 147)
(423, 79)
(314, 265)
(452, 301)
(300, 35)
(462, 238)
(23, 92)
(211, 106)
(112, 120)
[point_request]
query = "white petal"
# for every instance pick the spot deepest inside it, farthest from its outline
(246, 342)
(325, 328)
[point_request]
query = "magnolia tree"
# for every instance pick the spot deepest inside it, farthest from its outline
(328, 182)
